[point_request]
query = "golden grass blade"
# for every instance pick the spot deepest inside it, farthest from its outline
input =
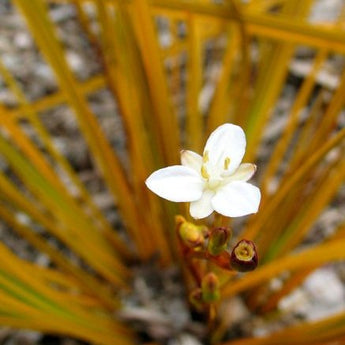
(329, 118)
(292, 283)
(194, 71)
(166, 119)
(85, 281)
(301, 209)
(297, 277)
(327, 331)
(107, 161)
(128, 84)
(274, 202)
(85, 87)
(263, 6)
(95, 216)
(36, 295)
(273, 71)
(122, 85)
(331, 181)
(242, 96)
(85, 24)
(308, 131)
(31, 153)
(279, 28)
(220, 105)
(301, 99)
(52, 326)
(89, 243)
(28, 295)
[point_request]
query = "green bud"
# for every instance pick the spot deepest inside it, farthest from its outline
(210, 288)
(218, 241)
(195, 299)
(244, 257)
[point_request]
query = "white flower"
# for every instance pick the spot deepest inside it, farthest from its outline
(217, 181)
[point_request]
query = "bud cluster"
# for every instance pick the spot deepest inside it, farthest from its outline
(213, 245)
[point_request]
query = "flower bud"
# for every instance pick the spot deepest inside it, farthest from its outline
(244, 257)
(210, 288)
(195, 299)
(193, 236)
(218, 241)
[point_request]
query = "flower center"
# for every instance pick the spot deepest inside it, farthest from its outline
(244, 252)
(213, 174)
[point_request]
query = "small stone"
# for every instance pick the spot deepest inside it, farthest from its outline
(23, 40)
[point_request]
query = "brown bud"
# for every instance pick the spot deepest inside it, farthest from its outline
(244, 257)
(210, 288)
(218, 241)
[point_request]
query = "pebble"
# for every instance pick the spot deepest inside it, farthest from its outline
(184, 339)
(321, 295)
(325, 11)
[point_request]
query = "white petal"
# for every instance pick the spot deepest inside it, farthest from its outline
(237, 199)
(243, 173)
(176, 183)
(227, 141)
(191, 160)
(202, 208)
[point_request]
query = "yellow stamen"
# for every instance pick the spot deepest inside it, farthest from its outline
(205, 158)
(244, 252)
(204, 172)
(226, 163)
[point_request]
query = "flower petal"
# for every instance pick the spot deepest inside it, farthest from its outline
(202, 208)
(243, 173)
(191, 160)
(176, 183)
(237, 199)
(226, 142)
